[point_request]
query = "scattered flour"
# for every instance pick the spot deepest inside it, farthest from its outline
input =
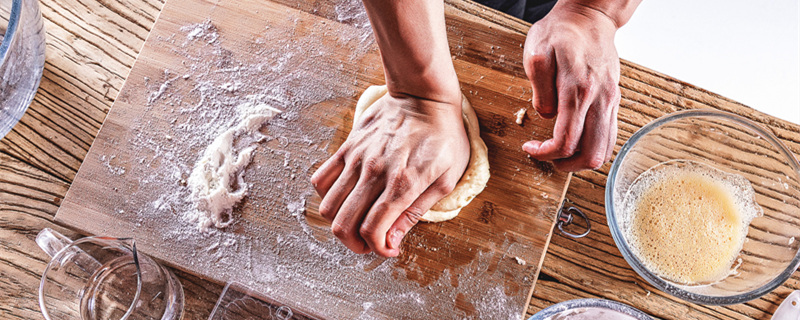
(115, 170)
(274, 249)
(157, 94)
(205, 31)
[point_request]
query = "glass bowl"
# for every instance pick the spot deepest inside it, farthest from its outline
(21, 58)
(571, 305)
(735, 145)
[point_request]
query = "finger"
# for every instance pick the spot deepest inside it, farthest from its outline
(593, 144)
(328, 172)
(612, 137)
(400, 194)
(334, 197)
(411, 215)
(347, 224)
(566, 132)
(541, 71)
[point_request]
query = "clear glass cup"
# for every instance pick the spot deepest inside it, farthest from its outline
(105, 278)
(21, 58)
(615, 309)
(237, 302)
(733, 144)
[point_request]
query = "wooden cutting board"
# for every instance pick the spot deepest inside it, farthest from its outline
(312, 60)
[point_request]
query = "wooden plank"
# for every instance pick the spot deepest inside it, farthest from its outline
(313, 62)
(68, 108)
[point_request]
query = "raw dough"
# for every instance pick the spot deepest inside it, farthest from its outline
(216, 181)
(477, 173)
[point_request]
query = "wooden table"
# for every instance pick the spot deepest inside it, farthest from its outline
(91, 45)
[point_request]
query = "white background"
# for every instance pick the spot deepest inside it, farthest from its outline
(748, 51)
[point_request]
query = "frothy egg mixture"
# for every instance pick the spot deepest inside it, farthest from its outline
(687, 221)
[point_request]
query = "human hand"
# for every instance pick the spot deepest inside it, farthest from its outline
(403, 155)
(573, 66)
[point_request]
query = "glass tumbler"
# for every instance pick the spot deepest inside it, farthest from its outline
(105, 278)
(21, 58)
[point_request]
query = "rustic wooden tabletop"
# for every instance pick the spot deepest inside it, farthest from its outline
(91, 46)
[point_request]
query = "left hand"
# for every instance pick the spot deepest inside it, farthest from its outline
(573, 67)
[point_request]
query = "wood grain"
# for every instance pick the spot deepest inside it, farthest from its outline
(88, 59)
(510, 219)
(91, 46)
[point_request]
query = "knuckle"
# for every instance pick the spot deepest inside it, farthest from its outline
(596, 162)
(535, 60)
(340, 231)
(316, 178)
(543, 107)
(400, 181)
(413, 214)
(372, 167)
(446, 186)
(326, 212)
(567, 149)
(368, 232)
(585, 88)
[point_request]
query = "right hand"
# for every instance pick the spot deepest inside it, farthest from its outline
(404, 155)
(573, 66)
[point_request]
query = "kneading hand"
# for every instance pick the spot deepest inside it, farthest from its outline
(401, 158)
(573, 66)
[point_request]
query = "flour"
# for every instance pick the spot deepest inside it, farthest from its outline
(204, 31)
(115, 170)
(270, 245)
(217, 181)
(161, 89)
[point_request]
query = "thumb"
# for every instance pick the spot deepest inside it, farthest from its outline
(414, 213)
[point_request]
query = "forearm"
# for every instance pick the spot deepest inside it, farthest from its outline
(619, 11)
(413, 42)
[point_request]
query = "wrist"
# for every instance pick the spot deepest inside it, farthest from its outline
(618, 12)
(435, 81)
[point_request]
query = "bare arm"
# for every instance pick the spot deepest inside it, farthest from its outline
(619, 11)
(410, 148)
(413, 41)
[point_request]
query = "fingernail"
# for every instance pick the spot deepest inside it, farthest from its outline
(395, 238)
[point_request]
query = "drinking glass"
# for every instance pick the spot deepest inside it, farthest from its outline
(105, 278)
